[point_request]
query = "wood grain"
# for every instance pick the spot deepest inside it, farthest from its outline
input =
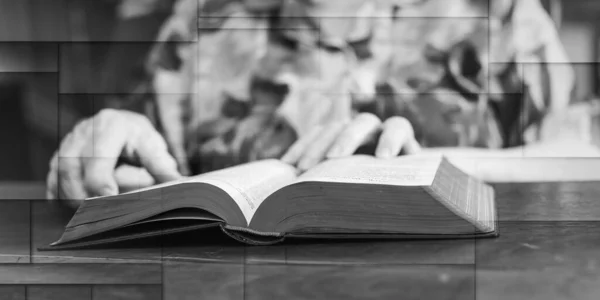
(551, 283)
(189, 280)
(540, 260)
(359, 282)
(14, 231)
(365, 253)
(192, 280)
(32, 274)
(59, 292)
(548, 201)
(212, 246)
(81, 292)
(541, 245)
(134, 292)
(547, 249)
(12, 292)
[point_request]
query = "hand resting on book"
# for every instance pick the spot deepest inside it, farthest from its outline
(339, 139)
(84, 166)
(88, 161)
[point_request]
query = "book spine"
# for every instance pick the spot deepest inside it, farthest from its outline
(251, 231)
(252, 237)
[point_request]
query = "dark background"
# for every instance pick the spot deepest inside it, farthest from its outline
(98, 56)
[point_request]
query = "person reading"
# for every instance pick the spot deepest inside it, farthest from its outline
(281, 133)
(330, 91)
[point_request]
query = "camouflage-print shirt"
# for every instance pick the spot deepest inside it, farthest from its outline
(247, 78)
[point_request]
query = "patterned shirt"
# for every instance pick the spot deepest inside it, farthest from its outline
(247, 78)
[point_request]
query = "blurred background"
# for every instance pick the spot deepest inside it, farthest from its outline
(33, 116)
(39, 105)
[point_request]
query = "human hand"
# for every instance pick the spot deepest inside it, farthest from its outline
(339, 139)
(84, 166)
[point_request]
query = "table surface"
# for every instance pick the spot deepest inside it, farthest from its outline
(548, 249)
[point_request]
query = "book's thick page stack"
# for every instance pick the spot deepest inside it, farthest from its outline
(264, 202)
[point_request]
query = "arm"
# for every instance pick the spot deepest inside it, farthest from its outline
(549, 149)
(548, 161)
(537, 41)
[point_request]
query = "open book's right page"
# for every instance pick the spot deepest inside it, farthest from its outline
(401, 171)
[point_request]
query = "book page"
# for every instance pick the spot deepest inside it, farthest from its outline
(249, 184)
(153, 187)
(402, 171)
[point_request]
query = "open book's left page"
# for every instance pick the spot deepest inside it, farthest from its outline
(249, 184)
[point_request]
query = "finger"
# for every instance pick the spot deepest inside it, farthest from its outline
(317, 149)
(357, 133)
(412, 147)
(131, 178)
(102, 153)
(294, 153)
(70, 179)
(52, 179)
(155, 157)
(397, 134)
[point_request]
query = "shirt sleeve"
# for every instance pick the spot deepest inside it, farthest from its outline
(530, 40)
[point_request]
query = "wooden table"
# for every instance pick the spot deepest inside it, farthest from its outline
(549, 248)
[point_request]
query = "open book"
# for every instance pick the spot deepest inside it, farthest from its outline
(263, 202)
